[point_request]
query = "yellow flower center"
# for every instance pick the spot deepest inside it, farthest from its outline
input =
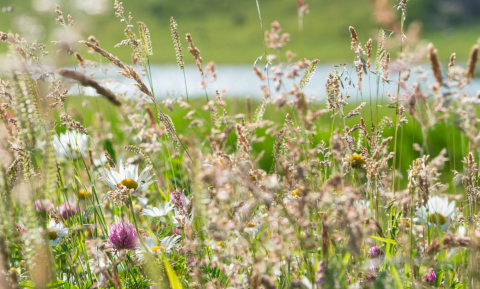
(437, 218)
(357, 161)
(138, 207)
(405, 223)
(82, 194)
(52, 234)
(129, 183)
(250, 224)
(300, 191)
(221, 244)
(14, 270)
(156, 248)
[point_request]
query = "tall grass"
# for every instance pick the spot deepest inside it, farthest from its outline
(204, 193)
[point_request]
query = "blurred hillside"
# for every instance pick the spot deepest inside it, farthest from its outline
(228, 31)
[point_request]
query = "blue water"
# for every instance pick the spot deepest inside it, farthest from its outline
(241, 81)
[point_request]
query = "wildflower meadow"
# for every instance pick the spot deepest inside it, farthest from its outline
(371, 181)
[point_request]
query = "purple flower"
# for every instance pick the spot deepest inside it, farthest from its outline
(375, 252)
(43, 206)
(20, 228)
(431, 277)
(123, 236)
(67, 210)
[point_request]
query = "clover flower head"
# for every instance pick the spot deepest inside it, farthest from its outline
(67, 210)
(123, 235)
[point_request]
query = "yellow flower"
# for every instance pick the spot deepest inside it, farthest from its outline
(15, 270)
(156, 248)
(300, 191)
(82, 194)
(356, 161)
(250, 224)
(138, 207)
(129, 183)
(437, 218)
(404, 223)
(220, 244)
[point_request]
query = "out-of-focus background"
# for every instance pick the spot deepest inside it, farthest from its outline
(228, 31)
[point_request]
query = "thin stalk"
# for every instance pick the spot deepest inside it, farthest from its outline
(396, 109)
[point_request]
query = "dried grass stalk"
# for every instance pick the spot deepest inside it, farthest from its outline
(86, 81)
(435, 63)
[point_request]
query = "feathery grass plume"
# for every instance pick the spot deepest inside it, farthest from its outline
(110, 161)
(128, 72)
(177, 43)
(259, 73)
(435, 63)
(136, 44)
(168, 123)
(72, 124)
(25, 161)
(243, 144)
(195, 52)
(278, 142)
(38, 255)
(380, 148)
(140, 151)
(385, 68)
(145, 38)
(13, 172)
(381, 53)
(451, 64)
(307, 76)
(359, 68)
(80, 59)
(354, 36)
(49, 167)
(356, 111)
(5, 119)
(86, 81)
(472, 62)
(368, 47)
(260, 111)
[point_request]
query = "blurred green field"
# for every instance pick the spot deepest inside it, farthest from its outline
(442, 136)
(229, 31)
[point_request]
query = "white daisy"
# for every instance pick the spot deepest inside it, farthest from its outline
(127, 176)
(437, 212)
(56, 232)
(160, 212)
(167, 245)
(70, 145)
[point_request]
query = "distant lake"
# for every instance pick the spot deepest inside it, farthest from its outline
(240, 81)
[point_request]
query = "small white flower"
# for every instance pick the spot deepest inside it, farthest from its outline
(167, 245)
(160, 212)
(438, 211)
(70, 145)
(56, 232)
(127, 176)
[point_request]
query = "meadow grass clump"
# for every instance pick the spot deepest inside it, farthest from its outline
(124, 191)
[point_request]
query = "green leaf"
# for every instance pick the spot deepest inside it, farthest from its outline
(27, 284)
(56, 284)
(390, 241)
(395, 273)
(172, 276)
